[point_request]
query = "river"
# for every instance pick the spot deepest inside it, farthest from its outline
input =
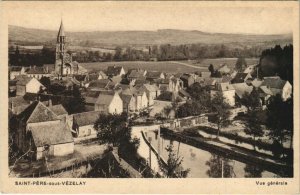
(202, 164)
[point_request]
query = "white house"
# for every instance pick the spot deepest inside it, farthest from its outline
(83, 124)
(109, 102)
(227, 90)
(152, 92)
(27, 85)
(278, 86)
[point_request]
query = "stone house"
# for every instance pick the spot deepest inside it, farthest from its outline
(241, 77)
(187, 80)
(109, 102)
(154, 75)
(129, 102)
(41, 130)
(134, 74)
(278, 86)
(83, 124)
(152, 92)
(37, 72)
(27, 85)
(140, 97)
(227, 90)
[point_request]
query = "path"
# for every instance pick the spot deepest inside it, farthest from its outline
(189, 65)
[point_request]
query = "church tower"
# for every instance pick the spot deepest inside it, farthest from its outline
(60, 50)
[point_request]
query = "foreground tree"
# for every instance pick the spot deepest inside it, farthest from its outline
(174, 168)
(112, 128)
(279, 119)
(221, 108)
(219, 167)
(241, 64)
(253, 127)
(252, 171)
(251, 100)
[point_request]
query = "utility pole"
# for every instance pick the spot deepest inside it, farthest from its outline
(150, 139)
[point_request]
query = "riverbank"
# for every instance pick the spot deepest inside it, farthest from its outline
(230, 151)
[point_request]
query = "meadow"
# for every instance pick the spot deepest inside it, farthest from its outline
(168, 66)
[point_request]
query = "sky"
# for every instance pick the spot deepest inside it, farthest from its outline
(111, 16)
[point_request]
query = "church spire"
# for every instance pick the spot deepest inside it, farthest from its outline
(61, 32)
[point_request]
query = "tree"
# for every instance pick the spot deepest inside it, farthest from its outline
(253, 127)
(240, 64)
(280, 119)
(112, 128)
(221, 108)
(174, 168)
(45, 81)
(252, 171)
(219, 167)
(211, 69)
(251, 100)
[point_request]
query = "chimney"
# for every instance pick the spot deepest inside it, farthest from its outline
(50, 102)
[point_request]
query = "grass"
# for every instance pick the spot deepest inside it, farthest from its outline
(166, 66)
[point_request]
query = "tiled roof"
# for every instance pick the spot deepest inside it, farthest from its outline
(242, 88)
(23, 80)
(49, 68)
(58, 109)
(36, 70)
(86, 118)
(265, 90)
(151, 88)
(153, 74)
(256, 83)
(51, 134)
(15, 68)
(105, 98)
(135, 73)
(126, 98)
(102, 83)
(91, 97)
(240, 77)
(274, 82)
(37, 112)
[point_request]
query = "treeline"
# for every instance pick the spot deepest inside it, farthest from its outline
(277, 61)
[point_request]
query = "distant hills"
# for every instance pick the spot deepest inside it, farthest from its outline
(144, 38)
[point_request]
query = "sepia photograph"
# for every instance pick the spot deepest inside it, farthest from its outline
(150, 90)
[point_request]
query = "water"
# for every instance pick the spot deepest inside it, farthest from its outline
(202, 164)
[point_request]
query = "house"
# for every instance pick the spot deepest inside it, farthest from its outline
(135, 74)
(152, 92)
(90, 99)
(40, 130)
(59, 110)
(241, 77)
(278, 86)
(250, 69)
(115, 71)
(83, 124)
(83, 79)
(224, 69)
(241, 89)
(101, 75)
(140, 97)
(227, 91)
(264, 94)
(109, 102)
(256, 83)
(129, 102)
(187, 80)
(27, 85)
(16, 71)
(37, 72)
(153, 75)
(100, 85)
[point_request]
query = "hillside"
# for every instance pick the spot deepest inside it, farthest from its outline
(143, 38)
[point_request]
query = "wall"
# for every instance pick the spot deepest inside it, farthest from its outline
(229, 97)
(87, 131)
(63, 149)
(116, 105)
(145, 127)
(33, 86)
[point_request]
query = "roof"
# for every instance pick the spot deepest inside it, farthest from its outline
(265, 90)
(240, 77)
(51, 134)
(256, 82)
(23, 80)
(86, 118)
(102, 83)
(151, 88)
(105, 98)
(225, 87)
(49, 68)
(185, 76)
(113, 70)
(116, 79)
(15, 68)
(205, 74)
(184, 93)
(135, 73)
(91, 97)
(242, 88)
(37, 112)
(126, 98)
(250, 69)
(153, 74)
(36, 70)
(18, 101)
(274, 82)
(224, 69)
(58, 109)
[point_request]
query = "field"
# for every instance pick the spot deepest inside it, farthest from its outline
(168, 66)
